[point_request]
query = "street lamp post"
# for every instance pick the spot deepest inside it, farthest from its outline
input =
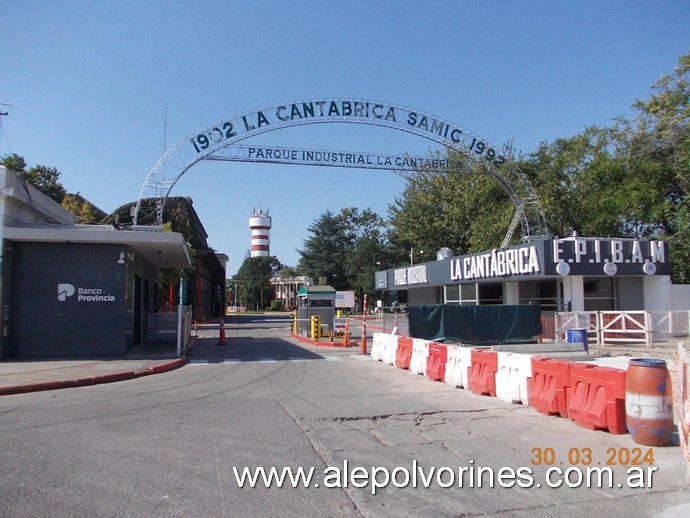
(412, 255)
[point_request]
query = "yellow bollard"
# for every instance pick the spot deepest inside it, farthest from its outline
(315, 327)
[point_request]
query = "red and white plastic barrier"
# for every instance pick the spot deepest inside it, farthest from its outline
(420, 353)
(597, 399)
(378, 342)
(403, 355)
(458, 366)
(549, 388)
(590, 393)
(512, 377)
(483, 372)
(436, 361)
(390, 347)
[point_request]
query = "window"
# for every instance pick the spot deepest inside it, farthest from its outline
(491, 293)
(543, 293)
(598, 293)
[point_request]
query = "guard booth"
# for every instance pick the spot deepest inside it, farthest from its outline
(315, 300)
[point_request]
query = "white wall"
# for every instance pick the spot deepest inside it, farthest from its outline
(574, 292)
(680, 297)
(511, 292)
(657, 292)
(22, 203)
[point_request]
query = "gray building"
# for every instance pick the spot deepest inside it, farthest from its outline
(572, 274)
(69, 290)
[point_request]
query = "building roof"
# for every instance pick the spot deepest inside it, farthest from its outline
(162, 249)
(314, 290)
(26, 214)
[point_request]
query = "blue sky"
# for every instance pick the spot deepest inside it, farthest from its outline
(89, 82)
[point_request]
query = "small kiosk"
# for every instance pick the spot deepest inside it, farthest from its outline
(315, 301)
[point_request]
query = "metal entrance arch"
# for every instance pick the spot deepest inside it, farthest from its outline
(213, 142)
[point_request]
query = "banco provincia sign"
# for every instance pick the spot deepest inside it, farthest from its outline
(539, 259)
(66, 292)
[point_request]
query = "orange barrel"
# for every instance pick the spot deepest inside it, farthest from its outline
(648, 402)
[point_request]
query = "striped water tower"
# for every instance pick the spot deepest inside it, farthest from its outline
(260, 224)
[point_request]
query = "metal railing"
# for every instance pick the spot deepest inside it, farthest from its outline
(632, 327)
(169, 325)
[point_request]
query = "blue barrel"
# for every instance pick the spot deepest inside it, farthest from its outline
(578, 336)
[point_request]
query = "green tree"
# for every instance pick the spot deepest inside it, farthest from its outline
(366, 250)
(254, 278)
(14, 163)
(586, 185)
(661, 130)
(44, 178)
(323, 254)
(659, 146)
(465, 210)
(346, 249)
(86, 212)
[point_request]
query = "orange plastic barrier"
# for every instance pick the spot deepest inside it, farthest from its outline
(597, 398)
(550, 386)
(483, 372)
(404, 353)
(436, 362)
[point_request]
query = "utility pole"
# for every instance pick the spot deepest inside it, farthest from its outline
(3, 114)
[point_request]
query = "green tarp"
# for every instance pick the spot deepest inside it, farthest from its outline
(475, 324)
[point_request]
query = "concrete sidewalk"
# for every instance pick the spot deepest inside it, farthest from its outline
(21, 376)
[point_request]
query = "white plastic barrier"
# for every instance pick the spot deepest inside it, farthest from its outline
(681, 402)
(514, 370)
(420, 354)
(458, 366)
(390, 348)
(378, 343)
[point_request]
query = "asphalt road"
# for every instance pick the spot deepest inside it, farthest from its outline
(170, 444)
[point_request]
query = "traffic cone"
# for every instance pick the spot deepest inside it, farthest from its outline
(221, 337)
(363, 349)
(346, 336)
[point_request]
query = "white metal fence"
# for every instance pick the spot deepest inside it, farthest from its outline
(611, 327)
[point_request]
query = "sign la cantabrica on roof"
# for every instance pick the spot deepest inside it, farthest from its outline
(307, 112)
(541, 259)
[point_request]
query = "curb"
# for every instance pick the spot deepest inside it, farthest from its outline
(339, 343)
(94, 380)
